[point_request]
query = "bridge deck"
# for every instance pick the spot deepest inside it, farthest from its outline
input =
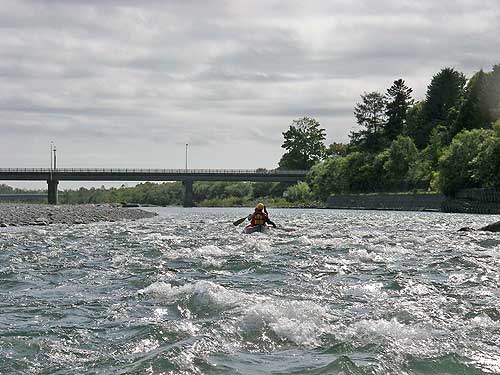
(134, 174)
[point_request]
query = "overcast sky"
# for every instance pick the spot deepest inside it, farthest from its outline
(116, 84)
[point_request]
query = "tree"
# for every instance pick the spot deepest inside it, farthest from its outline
(398, 99)
(474, 112)
(304, 142)
(456, 169)
(328, 177)
(360, 173)
(300, 192)
(414, 127)
(262, 189)
(434, 149)
(486, 165)
(370, 115)
(336, 149)
(493, 93)
(442, 99)
(403, 156)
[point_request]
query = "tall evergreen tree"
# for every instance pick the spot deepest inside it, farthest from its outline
(370, 115)
(414, 127)
(442, 99)
(474, 112)
(398, 101)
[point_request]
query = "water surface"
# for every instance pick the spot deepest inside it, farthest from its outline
(347, 292)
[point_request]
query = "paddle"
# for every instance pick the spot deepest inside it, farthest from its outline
(239, 221)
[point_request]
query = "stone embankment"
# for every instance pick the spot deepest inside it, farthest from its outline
(39, 214)
(474, 201)
(398, 202)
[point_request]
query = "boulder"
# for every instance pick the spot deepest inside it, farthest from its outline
(495, 227)
(466, 229)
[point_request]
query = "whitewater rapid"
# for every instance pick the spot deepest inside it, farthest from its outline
(345, 292)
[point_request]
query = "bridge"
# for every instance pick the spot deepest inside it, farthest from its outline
(187, 176)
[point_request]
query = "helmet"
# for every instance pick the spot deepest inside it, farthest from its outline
(259, 206)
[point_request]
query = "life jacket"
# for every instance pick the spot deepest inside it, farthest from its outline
(258, 218)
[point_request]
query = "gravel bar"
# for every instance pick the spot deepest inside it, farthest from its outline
(40, 214)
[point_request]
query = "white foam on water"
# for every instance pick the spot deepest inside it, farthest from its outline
(457, 278)
(414, 288)
(367, 290)
(145, 346)
(260, 244)
(186, 326)
(203, 293)
(160, 312)
(388, 330)
(364, 256)
(200, 252)
(196, 351)
(298, 321)
(214, 263)
(484, 321)
(321, 242)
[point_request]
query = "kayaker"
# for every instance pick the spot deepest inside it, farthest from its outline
(260, 216)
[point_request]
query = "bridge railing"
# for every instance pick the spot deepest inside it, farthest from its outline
(155, 171)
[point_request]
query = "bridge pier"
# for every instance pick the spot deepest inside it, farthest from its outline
(188, 193)
(52, 191)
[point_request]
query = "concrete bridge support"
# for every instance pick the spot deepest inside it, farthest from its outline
(52, 191)
(188, 193)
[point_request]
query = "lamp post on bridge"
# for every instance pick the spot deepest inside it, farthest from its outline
(188, 185)
(52, 182)
(55, 163)
(51, 160)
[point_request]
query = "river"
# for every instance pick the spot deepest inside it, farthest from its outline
(342, 292)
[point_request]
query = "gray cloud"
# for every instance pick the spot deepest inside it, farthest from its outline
(143, 78)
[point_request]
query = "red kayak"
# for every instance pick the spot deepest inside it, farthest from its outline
(256, 228)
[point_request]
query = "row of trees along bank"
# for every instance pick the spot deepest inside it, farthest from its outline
(204, 194)
(447, 142)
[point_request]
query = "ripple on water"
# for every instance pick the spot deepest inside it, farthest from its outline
(186, 293)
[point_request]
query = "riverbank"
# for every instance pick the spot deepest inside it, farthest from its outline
(388, 201)
(40, 214)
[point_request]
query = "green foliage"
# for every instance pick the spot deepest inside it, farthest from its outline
(6, 189)
(458, 166)
(486, 165)
(493, 93)
(146, 193)
(221, 190)
(474, 112)
(359, 172)
(370, 116)
(414, 126)
(336, 149)
(442, 100)
(403, 157)
(204, 194)
(327, 178)
(496, 127)
(300, 192)
(398, 99)
(434, 149)
(262, 189)
(304, 142)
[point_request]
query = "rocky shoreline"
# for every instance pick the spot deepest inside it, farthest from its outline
(41, 214)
